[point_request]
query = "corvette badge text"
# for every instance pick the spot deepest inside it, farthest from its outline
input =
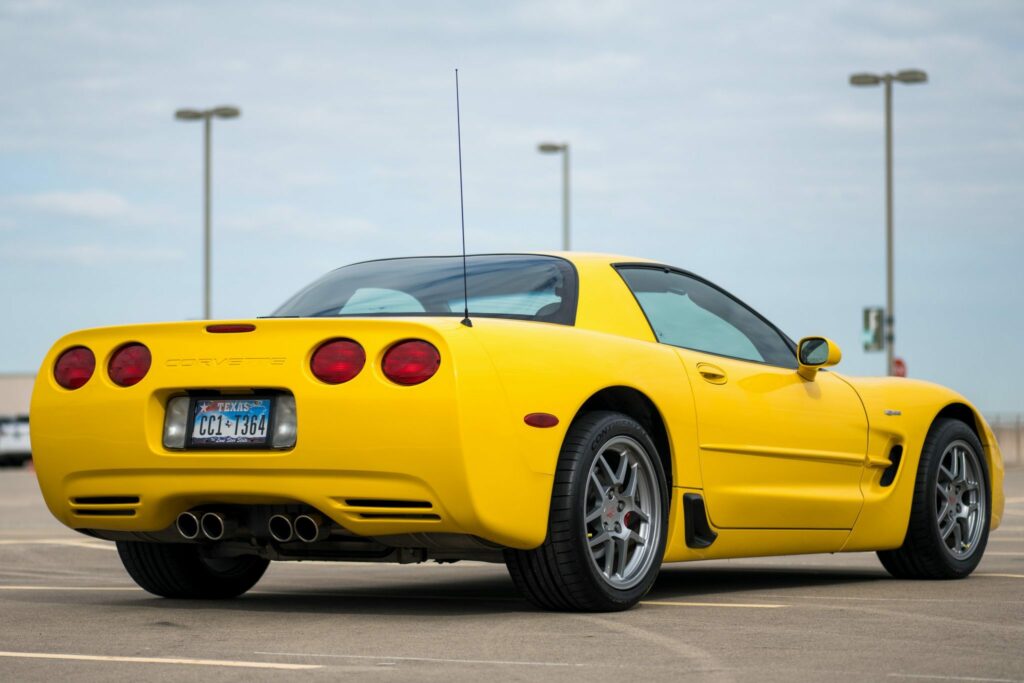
(230, 361)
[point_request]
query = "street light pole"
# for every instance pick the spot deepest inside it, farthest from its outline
(908, 76)
(207, 237)
(563, 148)
(890, 310)
(207, 116)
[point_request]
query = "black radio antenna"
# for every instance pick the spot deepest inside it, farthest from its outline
(462, 209)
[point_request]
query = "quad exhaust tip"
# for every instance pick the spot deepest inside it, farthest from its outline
(188, 525)
(309, 528)
(213, 525)
(280, 528)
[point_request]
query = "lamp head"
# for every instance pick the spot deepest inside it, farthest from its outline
(911, 76)
(551, 147)
(226, 112)
(865, 79)
(188, 115)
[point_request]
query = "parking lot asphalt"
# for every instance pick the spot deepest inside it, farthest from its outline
(68, 610)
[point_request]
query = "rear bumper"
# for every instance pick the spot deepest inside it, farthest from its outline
(370, 491)
(450, 448)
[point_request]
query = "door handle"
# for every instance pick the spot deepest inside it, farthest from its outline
(712, 373)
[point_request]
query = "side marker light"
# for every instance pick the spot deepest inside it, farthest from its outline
(542, 420)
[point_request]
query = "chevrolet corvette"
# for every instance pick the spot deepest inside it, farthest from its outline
(582, 418)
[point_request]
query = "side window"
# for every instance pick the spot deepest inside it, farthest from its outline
(686, 312)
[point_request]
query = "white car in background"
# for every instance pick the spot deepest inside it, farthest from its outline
(15, 446)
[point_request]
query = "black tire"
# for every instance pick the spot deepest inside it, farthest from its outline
(924, 554)
(561, 574)
(179, 570)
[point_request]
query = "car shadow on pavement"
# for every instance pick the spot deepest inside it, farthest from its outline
(696, 582)
(495, 594)
(466, 596)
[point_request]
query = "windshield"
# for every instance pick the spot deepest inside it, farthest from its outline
(524, 287)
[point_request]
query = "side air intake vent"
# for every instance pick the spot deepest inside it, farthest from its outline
(889, 473)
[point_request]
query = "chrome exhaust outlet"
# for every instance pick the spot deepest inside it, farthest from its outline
(311, 528)
(188, 525)
(213, 525)
(280, 528)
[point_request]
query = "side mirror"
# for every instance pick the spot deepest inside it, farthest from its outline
(816, 352)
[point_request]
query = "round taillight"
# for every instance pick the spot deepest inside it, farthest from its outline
(129, 364)
(74, 367)
(337, 361)
(411, 362)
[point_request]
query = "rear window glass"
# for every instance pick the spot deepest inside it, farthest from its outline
(526, 287)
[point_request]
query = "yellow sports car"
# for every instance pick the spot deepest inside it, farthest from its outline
(580, 417)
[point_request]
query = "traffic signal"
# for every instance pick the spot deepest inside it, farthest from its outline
(874, 329)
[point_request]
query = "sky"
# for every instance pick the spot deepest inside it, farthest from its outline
(723, 138)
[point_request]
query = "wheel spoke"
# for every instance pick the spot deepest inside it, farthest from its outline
(602, 464)
(623, 556)
(961, 466)
(948, 530)
(609, 557)
(600, 488)
(634, 482)
(637, 538)
(598, 539)
(594, 514)
(620, 475)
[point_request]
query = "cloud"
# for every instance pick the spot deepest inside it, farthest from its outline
(90, 204)
(282, 220)
(94, 255)
(845, 118)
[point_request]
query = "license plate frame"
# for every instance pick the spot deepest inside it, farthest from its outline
(202, 445)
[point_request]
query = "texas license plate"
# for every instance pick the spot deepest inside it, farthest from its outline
(230, 422)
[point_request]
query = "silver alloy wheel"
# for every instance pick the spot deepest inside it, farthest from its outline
(622, 512)
(960, 509)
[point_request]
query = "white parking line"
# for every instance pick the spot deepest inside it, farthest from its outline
(933, 677)
(437, 660)
(75, 543)
(1005, 576)
(1003, 554)
(162, 660)
(751, 605)
(133, 589)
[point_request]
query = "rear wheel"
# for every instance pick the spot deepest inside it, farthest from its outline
(180, 570)
(606, 528)
(949, 516)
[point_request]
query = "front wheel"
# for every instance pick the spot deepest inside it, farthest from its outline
(949, 516)
(607, 524)
(180, 570)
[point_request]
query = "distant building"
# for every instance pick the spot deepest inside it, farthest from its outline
(15, 394)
